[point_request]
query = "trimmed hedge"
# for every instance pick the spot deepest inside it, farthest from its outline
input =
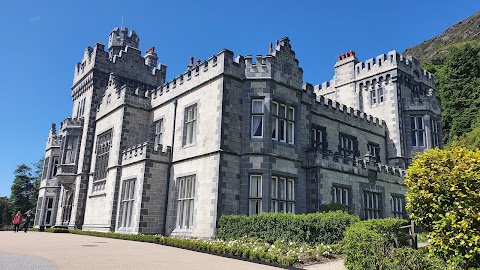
(326, 228)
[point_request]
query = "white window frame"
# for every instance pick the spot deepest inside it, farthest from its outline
(283, 123)
(128, 200)
(258, 115)
(374, 150)
(418, 131)
(372, 204)
(341, 195)
(190, 122)
(275, 123)
(346, 143)
(158, 139)
(317, 137)
(398, 206)
(282, 194)
(186, 201)
(435, 132)
(255, 195)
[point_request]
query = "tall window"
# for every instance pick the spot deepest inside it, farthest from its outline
(283, 123)
(348, 145)
(376, 96)
(190, 127)
(104, 142)
(374, 150)
(371, 204)
(275, 121)
(185, 203)
(54, 167)
(158, 134)
(255, 201)
(418, 131)
(283, 195)
(71, 149)
(317, 137)
(257, 118)
(49, 211)
(128, 199)
(45, 168)
(340, 195)
(398, 207)
(435, 132)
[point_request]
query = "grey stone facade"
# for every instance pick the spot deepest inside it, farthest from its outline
(231, 136)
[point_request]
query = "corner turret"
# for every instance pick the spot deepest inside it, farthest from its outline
(119, 39)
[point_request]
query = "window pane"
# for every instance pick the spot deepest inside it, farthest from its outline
(290, 132)
(420, 122)
(275, 128)
(291, 113)
(421, 138)
(257, 106)
(282, 188)
(274, 108)
(274, 187)
(282, 130)
(283, 110)
(257, 125)
(412, 122)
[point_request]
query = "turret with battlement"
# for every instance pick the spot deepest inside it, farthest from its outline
(119, 39)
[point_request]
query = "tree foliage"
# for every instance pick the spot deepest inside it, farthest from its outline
(23, 189)
(444, 198)
(458, 86)
(6, 212)
(470, 140)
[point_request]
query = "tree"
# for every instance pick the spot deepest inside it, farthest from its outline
(6, 212)
(458, 84)
(23, 189)
(37, 178)
(444, 198)
(470, 140)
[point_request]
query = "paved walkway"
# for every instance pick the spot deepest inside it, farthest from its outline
(46, 251)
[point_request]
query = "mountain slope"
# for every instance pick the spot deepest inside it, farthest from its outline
(435, 49)
(454, 59)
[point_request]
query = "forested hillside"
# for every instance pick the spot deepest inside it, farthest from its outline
(454, 58)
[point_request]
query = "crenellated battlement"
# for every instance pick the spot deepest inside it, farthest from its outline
(128, 63)
(393, 59)
(71, 123)
(326, 103)
(194, 76)
(324, 88)
(358, 166)
(144, 151)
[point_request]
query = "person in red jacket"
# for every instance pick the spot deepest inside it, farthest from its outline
(17, 220)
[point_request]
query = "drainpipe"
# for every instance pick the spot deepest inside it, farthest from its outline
(164, 229)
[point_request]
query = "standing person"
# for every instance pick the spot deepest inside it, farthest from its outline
(27, 220)
(17, 220)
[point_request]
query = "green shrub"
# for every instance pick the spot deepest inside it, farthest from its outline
(368, 242)
(327, 228)
(443, 196)
(373, 244)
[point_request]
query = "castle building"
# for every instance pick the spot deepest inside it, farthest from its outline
(231, 135)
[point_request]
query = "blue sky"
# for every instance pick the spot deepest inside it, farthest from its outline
(43, 40)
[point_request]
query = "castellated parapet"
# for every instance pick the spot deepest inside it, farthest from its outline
(359, 118)
(372, 68)
(193, 77)
(358, 166)
(129, 64)
(145, 151)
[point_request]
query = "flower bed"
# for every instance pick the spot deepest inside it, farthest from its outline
(279, 253)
